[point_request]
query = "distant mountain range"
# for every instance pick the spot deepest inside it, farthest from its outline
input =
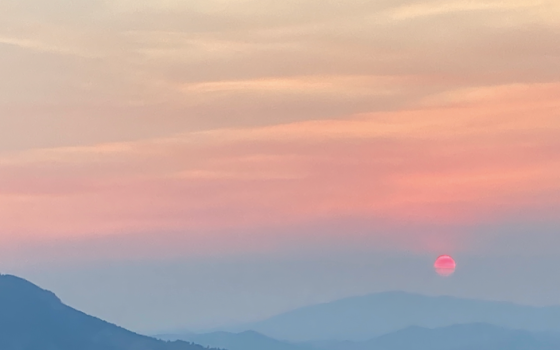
(477, 336)
(35, 319)
(367, 317)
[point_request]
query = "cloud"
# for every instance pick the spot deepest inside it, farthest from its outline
(480, 159)
(219, 116)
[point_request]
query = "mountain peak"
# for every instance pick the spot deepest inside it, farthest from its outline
(14, 289)
(32, 318)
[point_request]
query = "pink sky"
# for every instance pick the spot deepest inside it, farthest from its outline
(254, 117)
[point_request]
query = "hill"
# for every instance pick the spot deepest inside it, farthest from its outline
(478, 336)
(458, 337)
(366, 317)
(35, 319)
(248, 340)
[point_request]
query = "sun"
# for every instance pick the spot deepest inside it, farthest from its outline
(445, 265)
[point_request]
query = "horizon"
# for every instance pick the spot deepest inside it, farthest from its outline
(75, 286)
(246, 328)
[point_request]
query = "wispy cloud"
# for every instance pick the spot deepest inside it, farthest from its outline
(482, 157)
(199, 117)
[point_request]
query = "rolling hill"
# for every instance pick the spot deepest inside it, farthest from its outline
(477, 336)
(366, 317)
(248, 340)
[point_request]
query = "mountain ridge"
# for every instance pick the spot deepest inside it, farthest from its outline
(364, 317)
(247, 340)
(478, 336)
(32, 318)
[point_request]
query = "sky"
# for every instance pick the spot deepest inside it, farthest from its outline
(192, 164)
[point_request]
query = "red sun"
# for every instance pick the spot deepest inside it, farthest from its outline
(445, 265)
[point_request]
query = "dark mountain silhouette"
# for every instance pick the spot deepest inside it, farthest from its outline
(458, 337)
(248, 340)
(366, 317)
(35, 319)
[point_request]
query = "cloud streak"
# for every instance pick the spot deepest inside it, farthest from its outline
(209, 119)
(475, 161)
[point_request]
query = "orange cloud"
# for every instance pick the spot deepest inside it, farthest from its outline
(216, 117)
(476, 160)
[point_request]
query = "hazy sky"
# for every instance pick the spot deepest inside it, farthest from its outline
(208, 162)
